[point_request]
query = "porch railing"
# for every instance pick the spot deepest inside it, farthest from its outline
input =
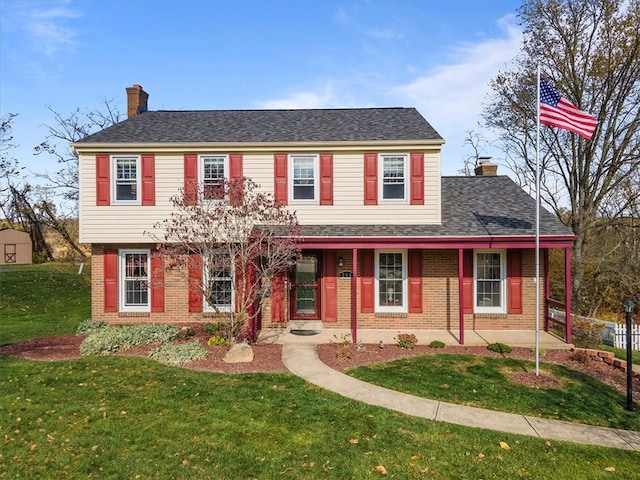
(556, 318)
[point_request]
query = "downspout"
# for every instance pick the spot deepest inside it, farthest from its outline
(354, 297)
(461, 294)
(547, 290)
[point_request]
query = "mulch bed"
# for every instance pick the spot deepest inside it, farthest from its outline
(268, 358)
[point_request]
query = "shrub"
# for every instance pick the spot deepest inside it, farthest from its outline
(406, 340)
(586, 334)
(437, 344)
(499, 348)
(112, 339)
(90, 326)
(344, 340)
(217, 340)
(179, 354)
(185, 333)
(212, 327)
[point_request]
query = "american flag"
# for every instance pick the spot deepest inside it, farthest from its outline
(557, 111)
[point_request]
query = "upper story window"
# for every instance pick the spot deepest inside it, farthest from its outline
(490, 281)
(213, 170)
(134, 280)
(304, 178)
(391, 280)
(126, 176)
(393, 177)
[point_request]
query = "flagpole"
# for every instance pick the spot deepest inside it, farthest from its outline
(537, 282)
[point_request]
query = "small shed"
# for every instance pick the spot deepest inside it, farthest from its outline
(15, 247)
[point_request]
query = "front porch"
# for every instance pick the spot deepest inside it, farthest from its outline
(513, 338)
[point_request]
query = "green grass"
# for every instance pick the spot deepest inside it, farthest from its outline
(485, 382)
(42, 300)
(621, 353)
(125, 417)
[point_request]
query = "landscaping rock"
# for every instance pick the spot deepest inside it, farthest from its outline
(239, 353)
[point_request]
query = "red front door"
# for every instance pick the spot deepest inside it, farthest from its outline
(305, 288)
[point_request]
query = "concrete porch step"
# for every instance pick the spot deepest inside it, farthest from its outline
(305, 325)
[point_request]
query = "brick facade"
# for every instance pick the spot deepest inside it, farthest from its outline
(439, 298)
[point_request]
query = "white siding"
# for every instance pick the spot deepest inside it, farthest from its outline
(128, 223)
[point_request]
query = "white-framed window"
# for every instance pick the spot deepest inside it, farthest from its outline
(213, 170)
(220, 285)
(126, 178)
(134, 280)
(303, 171)
(393, 183)
(490, 275)
(391, 280)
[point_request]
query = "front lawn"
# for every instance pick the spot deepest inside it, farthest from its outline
(125, 417)
(486, 382)
(42, 300)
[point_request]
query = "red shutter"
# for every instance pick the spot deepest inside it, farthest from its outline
(235, 179)
(148, 179)
(103, 185)
(370, 178)
(277, 299)
(415, 281)
(235, 166)
(514, 281)
(280, 178)
(467, 281)
(110, 259)
(367, 290)
(330, 287)
(326, 179)
(417, 178)
(195, 283)
(157, 283)
(190, 178)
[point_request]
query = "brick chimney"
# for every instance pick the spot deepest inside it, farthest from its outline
(136, 101)
(486, 168)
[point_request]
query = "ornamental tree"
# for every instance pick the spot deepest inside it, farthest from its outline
(230, 240)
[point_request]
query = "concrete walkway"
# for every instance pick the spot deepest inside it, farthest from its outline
(300, 357)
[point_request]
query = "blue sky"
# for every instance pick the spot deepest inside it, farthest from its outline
(437, 56)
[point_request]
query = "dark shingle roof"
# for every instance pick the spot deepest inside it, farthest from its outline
(490, 206)
(347, 125)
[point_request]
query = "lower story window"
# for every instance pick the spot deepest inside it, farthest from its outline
(490, 281)
(134, 280)
(391, 276)
(218, 295)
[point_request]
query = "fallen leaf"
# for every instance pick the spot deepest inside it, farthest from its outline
(381, 470)
(414, 458)
(480, 455)
(505, 445)
(610, 469)
(353, 441)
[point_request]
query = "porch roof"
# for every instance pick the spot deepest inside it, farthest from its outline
(476, 211)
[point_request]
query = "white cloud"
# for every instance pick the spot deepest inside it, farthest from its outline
(324, 97)
(46, 23)
(451, 95)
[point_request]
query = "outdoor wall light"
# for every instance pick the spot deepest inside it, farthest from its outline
(340, 262)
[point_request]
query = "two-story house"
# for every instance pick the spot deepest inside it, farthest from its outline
(387, 242)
